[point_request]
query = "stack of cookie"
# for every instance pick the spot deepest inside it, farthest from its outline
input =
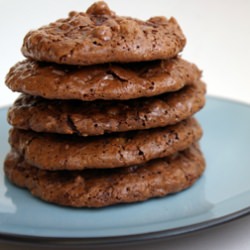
(106, 111)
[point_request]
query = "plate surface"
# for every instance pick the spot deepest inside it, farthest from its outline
(222, 194)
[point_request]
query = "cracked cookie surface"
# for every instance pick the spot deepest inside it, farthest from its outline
(99, 188)
(100, 36)
(99, 117)
(106, 151)
(108, 81)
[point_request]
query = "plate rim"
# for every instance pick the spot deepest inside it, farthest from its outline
(124, 239)
(129, 238)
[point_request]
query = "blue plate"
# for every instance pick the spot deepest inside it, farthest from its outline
(222, 194)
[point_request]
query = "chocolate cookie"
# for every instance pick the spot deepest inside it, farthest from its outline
(99, 188)
(54, 152)
(99, 36)
(99, 117)
(108, 81)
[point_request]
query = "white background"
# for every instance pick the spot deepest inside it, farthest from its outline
(218, 41)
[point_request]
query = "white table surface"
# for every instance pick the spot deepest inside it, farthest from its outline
(218, 41)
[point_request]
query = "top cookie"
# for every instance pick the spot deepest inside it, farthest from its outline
(100, 36)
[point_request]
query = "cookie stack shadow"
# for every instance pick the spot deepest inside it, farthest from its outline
(106, 111)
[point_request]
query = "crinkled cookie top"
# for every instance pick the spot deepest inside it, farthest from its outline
(100, 36)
